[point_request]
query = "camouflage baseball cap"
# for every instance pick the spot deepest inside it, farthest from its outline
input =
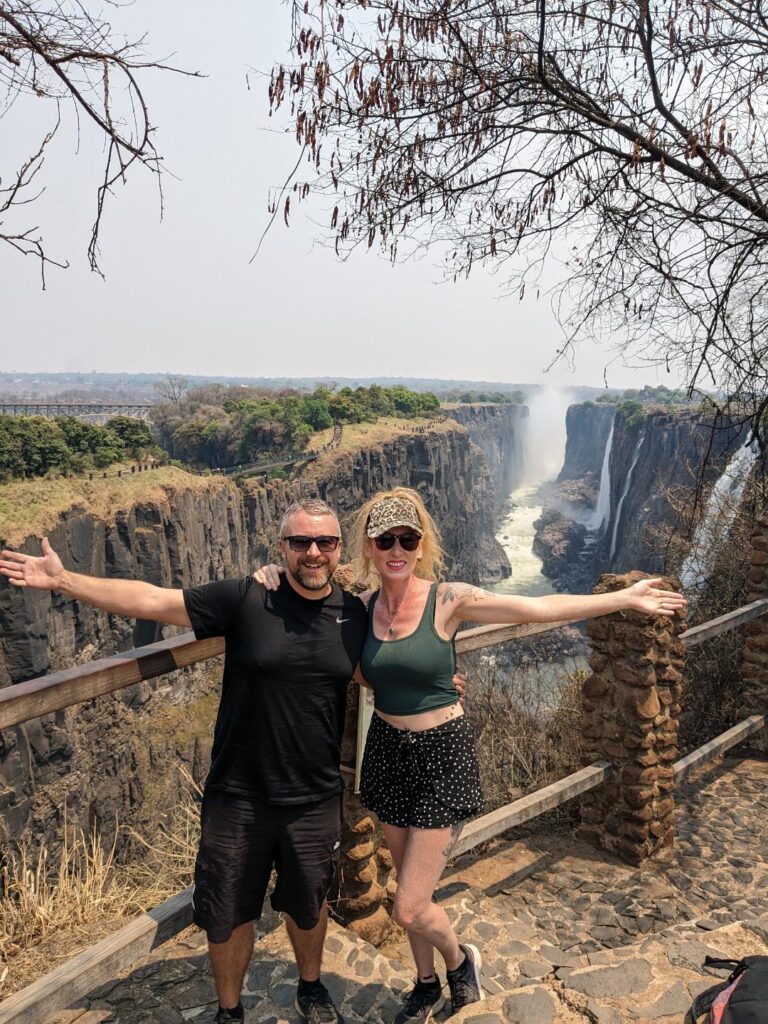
(390, 512)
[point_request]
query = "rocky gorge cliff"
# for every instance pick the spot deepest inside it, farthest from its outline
(587, 426)
(657, 458)
(499, 431)
(202, 528)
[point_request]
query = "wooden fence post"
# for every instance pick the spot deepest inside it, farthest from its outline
(631, 708)
(754, 671)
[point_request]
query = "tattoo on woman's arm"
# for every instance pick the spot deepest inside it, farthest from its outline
(460, 591)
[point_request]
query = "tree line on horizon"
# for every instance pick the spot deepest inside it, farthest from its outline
(211, 427)
(216, 426)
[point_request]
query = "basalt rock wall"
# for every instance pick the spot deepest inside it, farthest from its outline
(117, 758)
(443, 465)
(587, 426)
(499, 431)
(657, 460)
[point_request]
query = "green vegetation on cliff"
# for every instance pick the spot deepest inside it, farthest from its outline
(216, 426)
(474, 396)
(35, 445)
(648, 394)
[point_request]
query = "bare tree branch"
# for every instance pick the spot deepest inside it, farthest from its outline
(57, 51)
(631, 130)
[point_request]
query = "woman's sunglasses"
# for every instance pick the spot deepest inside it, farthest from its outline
(325, 544)
(407, 541)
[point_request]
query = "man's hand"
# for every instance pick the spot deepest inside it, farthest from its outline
(131, 598)
(460, 682)
(645, 597)
(41, 573)
(269, 575)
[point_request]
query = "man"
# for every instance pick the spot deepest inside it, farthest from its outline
(273, 795)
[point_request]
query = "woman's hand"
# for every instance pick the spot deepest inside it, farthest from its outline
(269, 575)
(645, 597)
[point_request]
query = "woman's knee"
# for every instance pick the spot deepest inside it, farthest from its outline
(411, 913)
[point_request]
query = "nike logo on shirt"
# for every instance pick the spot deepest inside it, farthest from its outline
(341, 620)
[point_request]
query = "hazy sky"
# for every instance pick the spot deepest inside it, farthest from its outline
(180, 294)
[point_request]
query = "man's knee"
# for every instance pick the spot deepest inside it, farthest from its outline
(241, 935)
(311, 923)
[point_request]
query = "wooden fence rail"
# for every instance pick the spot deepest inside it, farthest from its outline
(93, 967)
(723, 623)
(480, 830)
(719, 745)
(23, 701)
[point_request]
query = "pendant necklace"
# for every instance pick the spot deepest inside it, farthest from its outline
(392, 617)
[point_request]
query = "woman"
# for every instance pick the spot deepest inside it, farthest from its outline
(420, 773)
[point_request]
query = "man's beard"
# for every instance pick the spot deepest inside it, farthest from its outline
(317, 581)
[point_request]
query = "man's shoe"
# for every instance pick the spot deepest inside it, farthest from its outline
(227, 1017)
(317, 1007)
(423, 1001)
(464, 982)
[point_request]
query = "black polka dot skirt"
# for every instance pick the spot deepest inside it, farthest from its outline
(426, 779)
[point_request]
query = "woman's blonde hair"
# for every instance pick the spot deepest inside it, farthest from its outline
(430, 565)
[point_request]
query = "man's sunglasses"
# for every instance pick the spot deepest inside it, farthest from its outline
(407, 541)
(305, 543)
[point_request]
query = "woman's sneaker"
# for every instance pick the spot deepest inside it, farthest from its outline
(423, 1001)
(464, 982)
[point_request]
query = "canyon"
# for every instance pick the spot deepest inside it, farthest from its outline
(629, 478)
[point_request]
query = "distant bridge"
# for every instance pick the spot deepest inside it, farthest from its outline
(80, 410)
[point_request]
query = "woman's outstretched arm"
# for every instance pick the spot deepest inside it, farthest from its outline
(461, 602)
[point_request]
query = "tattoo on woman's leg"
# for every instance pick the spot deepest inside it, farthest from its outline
(455, 833)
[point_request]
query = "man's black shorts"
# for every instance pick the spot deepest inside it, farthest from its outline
(243, 839)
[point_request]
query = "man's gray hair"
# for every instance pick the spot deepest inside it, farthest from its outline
(313, 506)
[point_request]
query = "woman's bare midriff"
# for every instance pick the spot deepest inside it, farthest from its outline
(425, 720)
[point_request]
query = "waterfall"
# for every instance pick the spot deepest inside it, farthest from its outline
(718, 516)
(625, 491)
(545, 435)
(544, 450)
(603, 508)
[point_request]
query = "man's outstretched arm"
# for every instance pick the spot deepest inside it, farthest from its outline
(131, 598)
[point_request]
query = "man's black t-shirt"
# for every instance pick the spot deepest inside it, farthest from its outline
(288, 661)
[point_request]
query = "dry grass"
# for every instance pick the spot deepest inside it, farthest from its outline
(168, 864)
(33, 507)
(357, 436)
(51, 914)
(527, 726)
(86, 888)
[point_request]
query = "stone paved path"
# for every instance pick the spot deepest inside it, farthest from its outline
(567, 935)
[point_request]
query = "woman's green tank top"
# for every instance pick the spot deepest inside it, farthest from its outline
(412, 674)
